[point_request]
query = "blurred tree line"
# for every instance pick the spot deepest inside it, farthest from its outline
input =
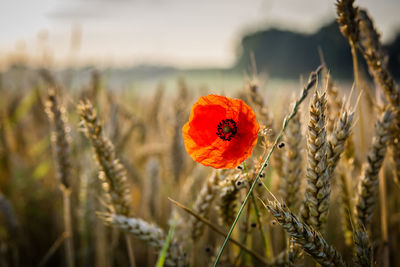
(287, 54)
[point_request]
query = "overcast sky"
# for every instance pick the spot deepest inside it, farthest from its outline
(184, 33)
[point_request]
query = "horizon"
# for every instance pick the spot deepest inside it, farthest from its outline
(176, 33)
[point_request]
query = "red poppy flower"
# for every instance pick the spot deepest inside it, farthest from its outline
(221, 131)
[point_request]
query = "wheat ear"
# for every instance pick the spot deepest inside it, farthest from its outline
(149, 233)
(362, 249)
(349, 26)
(316, 204)
(61, 146)
(372, 51)
(60, 138)
(306, 236)
(112, 174)
(377, 61)
(337, 140)
(292, 164)
(228, 196)
(368, 186)
(203, 204)
(347, 20)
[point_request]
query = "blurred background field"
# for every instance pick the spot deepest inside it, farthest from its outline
(143, 64)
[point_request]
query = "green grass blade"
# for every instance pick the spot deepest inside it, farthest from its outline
(163, 254)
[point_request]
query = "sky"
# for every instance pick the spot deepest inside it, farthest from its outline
(182, 33)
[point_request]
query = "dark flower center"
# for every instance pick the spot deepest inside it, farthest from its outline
(226, 129)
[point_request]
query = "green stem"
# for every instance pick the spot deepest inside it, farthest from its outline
(311, 82)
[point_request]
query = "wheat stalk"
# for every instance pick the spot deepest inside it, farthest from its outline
(8, 218)
(177, 147)
(346, 203)
(95, 83)
(5, 155)
(334, 104)
(155, 108)
(177, 150)
(151, 190)
(396, 158)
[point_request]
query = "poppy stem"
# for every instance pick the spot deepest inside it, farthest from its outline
(312, 80)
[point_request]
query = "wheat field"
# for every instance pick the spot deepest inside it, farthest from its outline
(99, 177)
